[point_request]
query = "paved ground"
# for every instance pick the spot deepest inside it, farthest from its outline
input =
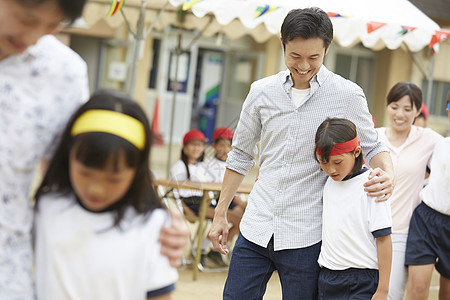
(209, 286)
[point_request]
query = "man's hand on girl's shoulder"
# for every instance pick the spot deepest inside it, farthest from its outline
(380, 184)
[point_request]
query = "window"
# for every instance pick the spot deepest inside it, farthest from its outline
(438, 103)
(356, 64)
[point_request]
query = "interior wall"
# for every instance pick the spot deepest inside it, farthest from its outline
(88, 48)
(441, 70)
(272, 53)
(392, 66)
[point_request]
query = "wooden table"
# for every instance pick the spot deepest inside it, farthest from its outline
(205, 187)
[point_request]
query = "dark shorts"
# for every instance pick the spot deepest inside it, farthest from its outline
(429, 239)
(194, 203)
(347, 284)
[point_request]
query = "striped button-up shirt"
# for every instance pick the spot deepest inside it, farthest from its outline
(286, 200)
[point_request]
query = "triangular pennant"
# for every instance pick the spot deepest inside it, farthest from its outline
(334, 15)
(261, 10)
(116, 5)
(372, 26)
(406, 29)
(409, 28)
(438, 37)
(189, 3)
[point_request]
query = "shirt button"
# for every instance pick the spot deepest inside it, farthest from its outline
(291, 138)
(296, 110)
(280, 191)
(276, 216)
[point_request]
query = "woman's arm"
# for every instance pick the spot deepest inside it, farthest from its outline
(384, 252)
(174, 238)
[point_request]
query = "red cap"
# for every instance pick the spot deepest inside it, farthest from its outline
(223, 133)
(424, 110)
(194, 134)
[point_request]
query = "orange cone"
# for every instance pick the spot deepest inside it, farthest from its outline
(157, 137)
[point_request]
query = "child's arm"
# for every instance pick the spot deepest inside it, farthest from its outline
(384, 252)
(238, 201)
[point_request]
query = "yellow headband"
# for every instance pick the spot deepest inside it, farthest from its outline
(122, 125)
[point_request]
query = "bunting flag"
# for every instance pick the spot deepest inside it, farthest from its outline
(189, 3)
(372, 26)
(438, 37)
(116, 5)
(334, 15)
(260, 10)
(406, 29)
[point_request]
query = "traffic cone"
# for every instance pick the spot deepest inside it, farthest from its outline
(157, 137)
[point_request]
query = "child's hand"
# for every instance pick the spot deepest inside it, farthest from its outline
(380, 295)
(380, 185)
(174, 238)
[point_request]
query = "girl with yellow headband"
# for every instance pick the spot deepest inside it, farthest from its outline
(356, 252)
(98, 217)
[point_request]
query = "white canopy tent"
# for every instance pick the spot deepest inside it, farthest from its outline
(400, 21)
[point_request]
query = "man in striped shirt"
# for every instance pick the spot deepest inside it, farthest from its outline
(281, 227)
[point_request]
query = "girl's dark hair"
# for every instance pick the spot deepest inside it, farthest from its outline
(72, 9)
(185, 159)
(335, 131)
(96, 149)
(402, 89)
(307, 23)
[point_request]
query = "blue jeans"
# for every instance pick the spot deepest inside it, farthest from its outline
(252, 266)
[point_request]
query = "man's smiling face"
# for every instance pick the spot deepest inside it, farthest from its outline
(304, 57)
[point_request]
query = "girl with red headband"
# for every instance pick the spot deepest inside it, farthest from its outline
(355, 256)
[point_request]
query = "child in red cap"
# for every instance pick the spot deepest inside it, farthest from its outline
(191, 167)
(422, 119)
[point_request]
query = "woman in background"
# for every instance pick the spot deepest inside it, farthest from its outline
(410, 148)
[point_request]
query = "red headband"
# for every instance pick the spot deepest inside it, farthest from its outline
(342, 148)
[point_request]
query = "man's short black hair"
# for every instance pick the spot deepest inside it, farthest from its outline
(72, 9)
(307, 23)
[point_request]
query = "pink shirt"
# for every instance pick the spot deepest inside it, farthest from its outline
(410, 161)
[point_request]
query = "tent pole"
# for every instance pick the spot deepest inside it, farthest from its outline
(130, 84)
(430, 81)
(174, 96)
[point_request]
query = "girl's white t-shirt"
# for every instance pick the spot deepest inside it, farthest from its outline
(349, 219)
(198, 172)
(79, 256)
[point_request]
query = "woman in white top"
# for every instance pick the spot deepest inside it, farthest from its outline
(411, 148)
